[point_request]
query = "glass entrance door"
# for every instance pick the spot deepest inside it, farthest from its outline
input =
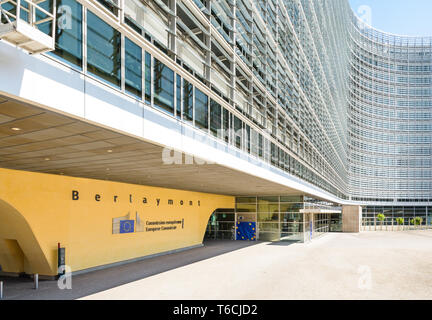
(336, 222)
(221, 225)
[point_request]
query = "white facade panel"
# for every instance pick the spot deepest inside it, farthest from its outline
(41, 80)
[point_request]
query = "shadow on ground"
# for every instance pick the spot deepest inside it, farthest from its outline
(284, 243)
(96, 281)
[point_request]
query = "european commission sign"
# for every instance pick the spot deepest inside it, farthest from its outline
(127, 224)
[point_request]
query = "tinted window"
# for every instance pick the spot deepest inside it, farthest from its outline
(215, 117)
(201, 109)
(187, 101)
(68, 40)
(148, 77)
(103, 49)
(133, 68)
(178, 93)
(163, 87)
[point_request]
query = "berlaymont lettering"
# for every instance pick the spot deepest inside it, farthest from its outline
(144, 200)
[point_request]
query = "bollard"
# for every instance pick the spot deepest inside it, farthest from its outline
(1, 290)
(36, 281)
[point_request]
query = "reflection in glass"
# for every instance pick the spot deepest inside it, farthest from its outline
(68, 40)
(178, 93)
(221, 225)
(215, 117)
(187, 101)
(226, 124)
(133, 68)
(148, 78)
(201, 109)
(163, 87)
(103, 49)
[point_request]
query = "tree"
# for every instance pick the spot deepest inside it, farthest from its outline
(400, 221)
(417, 221)
(381, 218)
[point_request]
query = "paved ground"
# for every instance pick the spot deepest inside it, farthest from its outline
(372, 265)
(92, 282)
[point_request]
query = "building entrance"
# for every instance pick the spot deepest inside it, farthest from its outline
(278, 218)
(221, 225)
(336, 222)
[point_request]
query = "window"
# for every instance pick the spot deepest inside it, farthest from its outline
(247, 138)
(260, 146)
(68, 38)
(254, 142)
(238, 132)
(274, 154)
(110, 5)
(187, 101)
(148, 78)
(163, 87)
(178, 93)
(133, 68)
(226, 124)
(103, 49)
(215, 118)
(201, 109)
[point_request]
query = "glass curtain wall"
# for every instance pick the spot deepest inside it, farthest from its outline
(321, 224)
(339, 105)
(390, 116)
(407, 214)
(237, 107)
(278, 218)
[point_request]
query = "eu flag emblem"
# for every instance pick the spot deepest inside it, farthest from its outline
(246, 231)
(127, 226)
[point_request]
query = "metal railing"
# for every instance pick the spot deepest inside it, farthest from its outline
(390, 224)
(5, 14)
(32, 11)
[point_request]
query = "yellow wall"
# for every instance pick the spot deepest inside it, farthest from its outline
(38, 211)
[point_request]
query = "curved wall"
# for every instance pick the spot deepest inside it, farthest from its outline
(390, 118)
(98, 222)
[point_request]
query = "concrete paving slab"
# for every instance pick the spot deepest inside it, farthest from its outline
(370, 265)
(100, 280)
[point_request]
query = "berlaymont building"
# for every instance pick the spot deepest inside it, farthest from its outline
(132, 128)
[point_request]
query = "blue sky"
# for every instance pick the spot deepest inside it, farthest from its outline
(405, 17)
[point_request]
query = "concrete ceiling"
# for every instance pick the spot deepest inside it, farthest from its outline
(53, 143)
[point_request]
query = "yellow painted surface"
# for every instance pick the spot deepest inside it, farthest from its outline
(11, 255)
(38, 211)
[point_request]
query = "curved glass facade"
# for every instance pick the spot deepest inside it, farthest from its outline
(299, 84)
(390, 118)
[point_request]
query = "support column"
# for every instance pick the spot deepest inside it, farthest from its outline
(351, 219)
(312, 224)
(308, 219)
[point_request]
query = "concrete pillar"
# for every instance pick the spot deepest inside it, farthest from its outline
(312, 220)
(351, 219)
(308, 218)
(305, 228)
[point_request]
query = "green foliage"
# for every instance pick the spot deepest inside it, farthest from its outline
(400, 221)
(417, 221)
(381, 217)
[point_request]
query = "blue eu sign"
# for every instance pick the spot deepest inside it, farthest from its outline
(127, 226)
